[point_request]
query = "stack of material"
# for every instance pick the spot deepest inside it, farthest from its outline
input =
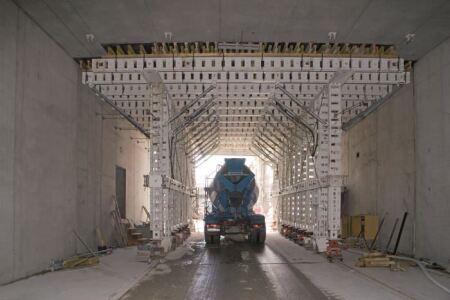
(139, 234)
(81, 260)
(88, 259)
(375, 259)
(78, 261)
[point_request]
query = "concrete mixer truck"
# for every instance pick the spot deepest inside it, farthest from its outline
(232, 195)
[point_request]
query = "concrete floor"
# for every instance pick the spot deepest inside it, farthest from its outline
(280, 269)
(233, 270)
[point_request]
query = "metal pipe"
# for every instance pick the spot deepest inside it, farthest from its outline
(284, 125)
(268, 145)
(205, 135)
(262, 148)
(194, 151)
(376, 234)
(391, 235)
(195, 115)
(188, 106)
(116, 108)
(264, 154)
(292, 116)
(306, 109)
(207, 149)
(273, 142)
(196, 126)
(402, 225)
(202, 131)
(279, 131)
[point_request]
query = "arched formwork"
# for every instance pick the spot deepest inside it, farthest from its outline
(284, 102)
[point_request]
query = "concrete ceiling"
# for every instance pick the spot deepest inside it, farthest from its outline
(140, 21)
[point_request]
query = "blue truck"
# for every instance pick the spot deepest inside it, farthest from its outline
(233, 193)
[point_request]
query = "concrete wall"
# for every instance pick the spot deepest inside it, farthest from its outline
(381, 179)
(432, 101)
(57, 154)
(404, 160)
(8, 69)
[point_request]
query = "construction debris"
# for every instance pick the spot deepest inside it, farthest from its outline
(77, 261)
(118, 223)
(101, 241)
(378, 259)
(81, 260)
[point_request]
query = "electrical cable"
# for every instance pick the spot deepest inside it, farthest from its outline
(418, 262)
(424, 270)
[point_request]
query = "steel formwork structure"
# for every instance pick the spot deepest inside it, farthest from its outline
(284, 105)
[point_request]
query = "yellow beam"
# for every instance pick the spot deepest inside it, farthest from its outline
(119, 50)
(130, 50)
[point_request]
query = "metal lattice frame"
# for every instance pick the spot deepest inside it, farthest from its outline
(286, 108)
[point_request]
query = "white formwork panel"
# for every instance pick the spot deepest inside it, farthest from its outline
(311, 190)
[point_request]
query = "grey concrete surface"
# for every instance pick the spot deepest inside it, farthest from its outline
(280, 269)
(379, 21)
(111, 278)
(381, 180)
(8, 32)
(404, 162)
(432, 107)
(53, 153)
(233, 270)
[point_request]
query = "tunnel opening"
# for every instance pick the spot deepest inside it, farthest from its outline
(263, 172)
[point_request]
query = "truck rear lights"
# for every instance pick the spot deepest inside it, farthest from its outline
(257, 226)
(213, 227)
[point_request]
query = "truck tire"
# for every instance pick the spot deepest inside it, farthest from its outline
(261, 237)
(253, 236)
(212, 239)
(215, 239)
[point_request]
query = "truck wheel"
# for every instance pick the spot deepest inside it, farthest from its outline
(253, 236)
(215, 239)
(261, 238)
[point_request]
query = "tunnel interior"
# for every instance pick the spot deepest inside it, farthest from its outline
(286, 105)
(116, 118)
